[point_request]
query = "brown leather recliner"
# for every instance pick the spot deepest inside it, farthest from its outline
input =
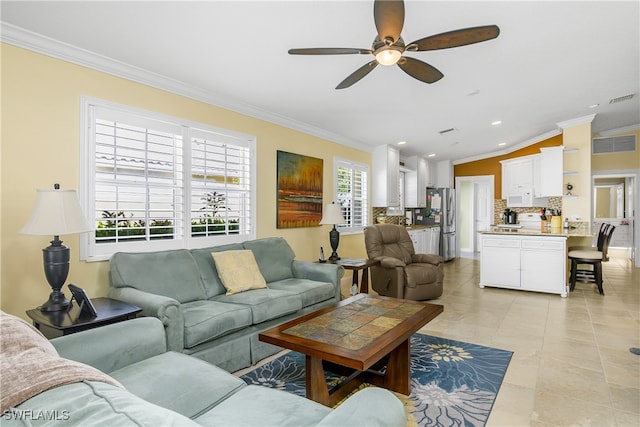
(400, 272)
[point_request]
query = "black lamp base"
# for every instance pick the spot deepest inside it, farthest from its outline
(56, 268)
(56, 302)
(334, 239)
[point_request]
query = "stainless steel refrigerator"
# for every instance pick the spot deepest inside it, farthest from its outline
(441, 209)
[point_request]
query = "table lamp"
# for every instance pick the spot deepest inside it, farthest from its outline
(56, 212)
(333, 215)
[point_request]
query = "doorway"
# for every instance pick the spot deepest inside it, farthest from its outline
(474, 198)
(615, 201)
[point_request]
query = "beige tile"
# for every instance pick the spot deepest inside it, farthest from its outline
(513, 406)
(569, 379)
(552, 409)
(626, 399)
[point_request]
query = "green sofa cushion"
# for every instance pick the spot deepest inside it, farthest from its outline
(205, 320)
(310, 291)
(97, 404)
(274, 257)
(208, 272)
(182, 383)
(269, 407)
(265, 304)
(173, 273)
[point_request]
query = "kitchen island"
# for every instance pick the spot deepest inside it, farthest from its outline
(526, 259)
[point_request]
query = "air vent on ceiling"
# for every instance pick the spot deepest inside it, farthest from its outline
(614, 144)
(446, 131)
(620, 99)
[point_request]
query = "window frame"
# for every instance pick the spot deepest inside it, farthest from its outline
(366, 211)
(92, 251)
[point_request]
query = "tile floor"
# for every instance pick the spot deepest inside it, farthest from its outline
(571, 364)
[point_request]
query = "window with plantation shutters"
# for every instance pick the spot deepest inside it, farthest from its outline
(352, 194)
(152, 182)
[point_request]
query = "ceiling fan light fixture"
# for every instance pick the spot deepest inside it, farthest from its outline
(388, 55)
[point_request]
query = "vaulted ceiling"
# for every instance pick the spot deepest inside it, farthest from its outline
(553, 61)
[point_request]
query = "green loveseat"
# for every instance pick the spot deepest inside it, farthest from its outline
(182, 288)
(159, 387)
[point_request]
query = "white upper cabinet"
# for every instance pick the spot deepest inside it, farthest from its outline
(547, 172)
(416, 181)
(385, 161)
(517, 175)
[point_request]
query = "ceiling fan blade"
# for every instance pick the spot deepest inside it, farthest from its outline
(420, 70)
(389, 18)
(328, 51)
(358, 74)
(457, 38)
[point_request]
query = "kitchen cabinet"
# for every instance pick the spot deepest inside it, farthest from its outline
(416, 181)
(385, 161)
(530, 263)
(425, 240)
(547, 172)
(517, 175)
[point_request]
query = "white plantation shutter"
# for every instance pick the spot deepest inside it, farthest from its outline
(152, 182)
(352, 194)
(220, 184)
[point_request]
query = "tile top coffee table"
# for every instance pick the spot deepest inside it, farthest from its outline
(355, 338)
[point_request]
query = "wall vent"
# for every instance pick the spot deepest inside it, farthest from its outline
(620, 99)
(613, 144)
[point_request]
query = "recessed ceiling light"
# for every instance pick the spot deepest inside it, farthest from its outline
(402, 142)
(474, 92)
(496, 123)
(432, 155)
(502, 143)
(594, 105)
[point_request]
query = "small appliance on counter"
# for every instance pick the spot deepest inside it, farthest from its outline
(510, 217)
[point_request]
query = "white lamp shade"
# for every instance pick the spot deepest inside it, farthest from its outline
(332, 215)
(55, 213)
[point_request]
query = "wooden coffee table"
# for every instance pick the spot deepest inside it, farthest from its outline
(355, 338)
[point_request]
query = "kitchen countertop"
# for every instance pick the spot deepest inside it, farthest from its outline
(551, 232)
(418, 227)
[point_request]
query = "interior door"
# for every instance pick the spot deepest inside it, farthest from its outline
(483, 208)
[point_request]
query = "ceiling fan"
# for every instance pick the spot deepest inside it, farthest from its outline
(388, 46)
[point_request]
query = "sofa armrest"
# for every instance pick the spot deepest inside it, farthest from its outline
(114, 346)
(371, 406)
(321, 272)
(164, 308)
(427, 259)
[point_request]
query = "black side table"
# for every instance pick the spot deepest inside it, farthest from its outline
(57, 323)
(355, 265)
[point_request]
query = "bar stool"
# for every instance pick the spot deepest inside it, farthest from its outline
(593, 258)
(601, 233)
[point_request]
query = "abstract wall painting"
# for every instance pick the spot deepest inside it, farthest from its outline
(299, 190)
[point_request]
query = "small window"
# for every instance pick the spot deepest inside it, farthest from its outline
(352, 194)
(152, 182)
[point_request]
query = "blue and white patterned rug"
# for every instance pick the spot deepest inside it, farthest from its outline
(453, 383)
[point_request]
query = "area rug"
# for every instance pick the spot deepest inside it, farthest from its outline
(453, 383)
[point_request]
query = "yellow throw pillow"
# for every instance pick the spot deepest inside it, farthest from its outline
(238, 271)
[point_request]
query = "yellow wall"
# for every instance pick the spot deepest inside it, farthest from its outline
(613, 161)
(41, 143)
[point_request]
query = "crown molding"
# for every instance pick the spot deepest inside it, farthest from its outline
(20, 37)
(624, 129)
(512, 148)
(577, 121)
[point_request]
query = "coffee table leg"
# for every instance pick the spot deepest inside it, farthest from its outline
(398, 374)
(317, 389)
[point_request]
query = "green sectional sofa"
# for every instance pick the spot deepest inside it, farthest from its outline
(183, 289)
(125, 377)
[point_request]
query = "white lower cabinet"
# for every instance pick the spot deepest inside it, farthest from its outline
(524, 262)
(425, 240)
